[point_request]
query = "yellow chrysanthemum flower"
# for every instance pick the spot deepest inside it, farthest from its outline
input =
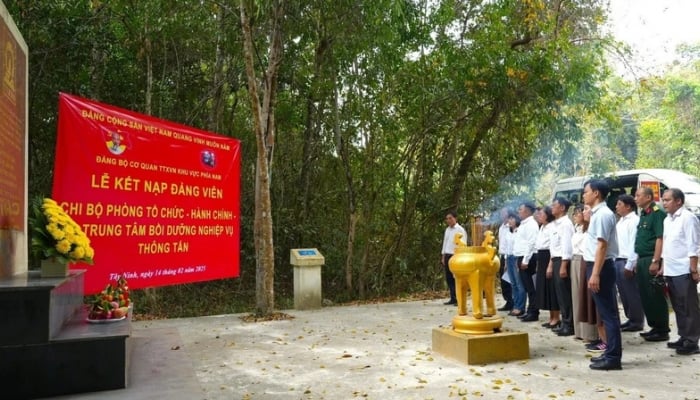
(55, 232)
(63, 246)
(78, 253)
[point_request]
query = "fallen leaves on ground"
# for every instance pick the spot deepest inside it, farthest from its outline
(275, 316)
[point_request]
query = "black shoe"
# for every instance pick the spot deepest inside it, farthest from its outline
(565, 332)
(630, 328)
(506, 307)
(657, 337)
(530, 318)
(523, 315)
(598, 358)
(688, 348)
(676, 345)
(625, 324)
(514, 314)
(650, 332)
(605, 365)
(450, 303)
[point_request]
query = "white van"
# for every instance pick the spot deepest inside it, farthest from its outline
(627, 182)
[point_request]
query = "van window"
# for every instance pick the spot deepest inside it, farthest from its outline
(574, 195)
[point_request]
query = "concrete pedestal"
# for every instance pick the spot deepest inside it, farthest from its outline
(307, 287)
(307, 277)
(481, 349)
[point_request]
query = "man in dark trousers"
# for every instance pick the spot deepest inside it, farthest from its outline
(648, 245)
(680, 267)
(448, 249)
(562, 251)
(524, 250)
(599, 253)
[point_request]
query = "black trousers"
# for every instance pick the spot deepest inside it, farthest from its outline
(684, 299)
(529, 284)
(506, 289)
(449, 278)
(563, 288)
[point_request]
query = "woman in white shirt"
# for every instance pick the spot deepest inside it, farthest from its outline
(582, 302)
(545, 293)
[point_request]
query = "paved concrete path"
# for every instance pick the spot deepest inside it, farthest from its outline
(380, 351)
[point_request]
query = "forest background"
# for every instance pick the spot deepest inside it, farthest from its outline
(385, 114)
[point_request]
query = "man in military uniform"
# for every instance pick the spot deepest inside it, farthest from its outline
(648, 245)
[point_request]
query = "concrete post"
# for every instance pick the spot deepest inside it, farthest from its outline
(307, 278)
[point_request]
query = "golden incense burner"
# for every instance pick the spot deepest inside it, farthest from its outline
(475, 269)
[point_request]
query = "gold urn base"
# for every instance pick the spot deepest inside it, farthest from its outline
(481, 349)
(473, 326)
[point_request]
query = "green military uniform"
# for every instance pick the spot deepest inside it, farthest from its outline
(650, 228)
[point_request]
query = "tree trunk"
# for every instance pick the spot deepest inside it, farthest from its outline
(217, 89)
(264, 128)
(465, 163)
(349, 180)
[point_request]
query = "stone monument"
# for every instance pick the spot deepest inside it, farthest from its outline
(13, 148)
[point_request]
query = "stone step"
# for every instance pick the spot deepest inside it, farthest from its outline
(83, 357)
(33, 309)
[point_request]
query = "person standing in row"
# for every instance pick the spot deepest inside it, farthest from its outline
(519, 295)
(505, 245)
(448, 249)
(625, 262)
(544, 284)
(561, 251)
(600, 253)
(524, 250)
(648, 245)
(680, 268)
(584, 329)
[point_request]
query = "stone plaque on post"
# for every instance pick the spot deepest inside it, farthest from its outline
(13, 148)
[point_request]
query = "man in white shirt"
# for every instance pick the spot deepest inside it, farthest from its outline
(524, 250)
(626, 262)
(680, 268)
(599, 253)
(448, 249)
(505, 244)
(561, 250)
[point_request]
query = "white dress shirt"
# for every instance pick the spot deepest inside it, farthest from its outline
(560, 244)
(448, 242)
(524, 240)
(544, 236)
(681, 241)
(578, 240)
(626, 233)
(505, 240)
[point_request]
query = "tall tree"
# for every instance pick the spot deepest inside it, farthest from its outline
(263, 97)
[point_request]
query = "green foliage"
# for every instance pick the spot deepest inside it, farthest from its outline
(389, 113)
(669, 127)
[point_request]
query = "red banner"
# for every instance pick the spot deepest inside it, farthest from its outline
(159, 201)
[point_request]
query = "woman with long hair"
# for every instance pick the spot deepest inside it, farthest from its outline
(545, 293)
(585, 314)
